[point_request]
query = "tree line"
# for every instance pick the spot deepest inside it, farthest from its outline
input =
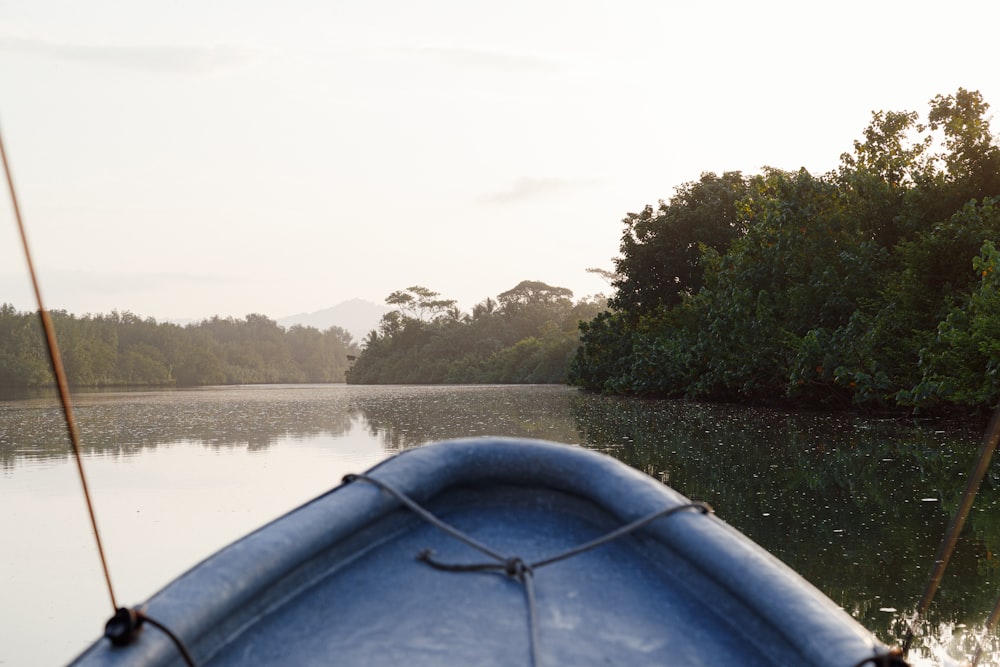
(528, 334)
(122, 349)
(873, 285)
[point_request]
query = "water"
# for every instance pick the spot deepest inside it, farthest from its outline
(856, 505)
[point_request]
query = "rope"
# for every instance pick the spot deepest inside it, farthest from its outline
(60, 374)
(514, 566)
(427, 516)
(181, 648)
(957, 522)
(991, 624)
(704, 508)
(125, 622)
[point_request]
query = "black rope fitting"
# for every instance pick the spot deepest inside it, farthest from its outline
(123, 627)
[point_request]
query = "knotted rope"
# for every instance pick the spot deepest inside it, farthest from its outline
(515, 567)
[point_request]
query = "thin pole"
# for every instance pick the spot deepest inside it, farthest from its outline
(991, 623)
(957, 522)
(60, 374)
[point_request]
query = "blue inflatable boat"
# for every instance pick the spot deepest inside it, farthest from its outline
(492, 551)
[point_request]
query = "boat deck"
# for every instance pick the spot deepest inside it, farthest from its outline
(630, 602)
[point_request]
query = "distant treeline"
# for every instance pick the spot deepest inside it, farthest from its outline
(528, 334)
(122, 349)
(874, 285)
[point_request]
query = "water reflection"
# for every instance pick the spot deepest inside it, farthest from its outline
(410, 416)
(856, 505)
(125, 423)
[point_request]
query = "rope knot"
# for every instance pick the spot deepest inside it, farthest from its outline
(517, 568)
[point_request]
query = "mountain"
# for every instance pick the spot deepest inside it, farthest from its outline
(357, 316)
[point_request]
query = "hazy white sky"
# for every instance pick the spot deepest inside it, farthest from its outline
(186, 158)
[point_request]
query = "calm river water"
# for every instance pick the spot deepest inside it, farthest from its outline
(858, 506)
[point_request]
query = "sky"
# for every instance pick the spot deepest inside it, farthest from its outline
(188, 158)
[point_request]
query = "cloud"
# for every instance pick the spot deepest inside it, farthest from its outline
(153, 58)
(481, 59)
(528, 189)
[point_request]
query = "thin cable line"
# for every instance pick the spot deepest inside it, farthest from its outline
(950, 539)
(59, 371)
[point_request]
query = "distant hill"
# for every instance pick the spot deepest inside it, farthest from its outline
(357, 316)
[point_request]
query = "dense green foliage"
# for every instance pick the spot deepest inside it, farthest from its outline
(873, 285)
(528, 334)
(122, 349)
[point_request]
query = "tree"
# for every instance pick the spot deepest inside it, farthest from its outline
(484, 308)
(533, 292)
(879, 178)
(887, 153)
(661, 248)
(604, 357)
(24, 361)
(961, 364)
(609, 276)
(419, 303)
(972, 158)
(527, 334)
(852, 287)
